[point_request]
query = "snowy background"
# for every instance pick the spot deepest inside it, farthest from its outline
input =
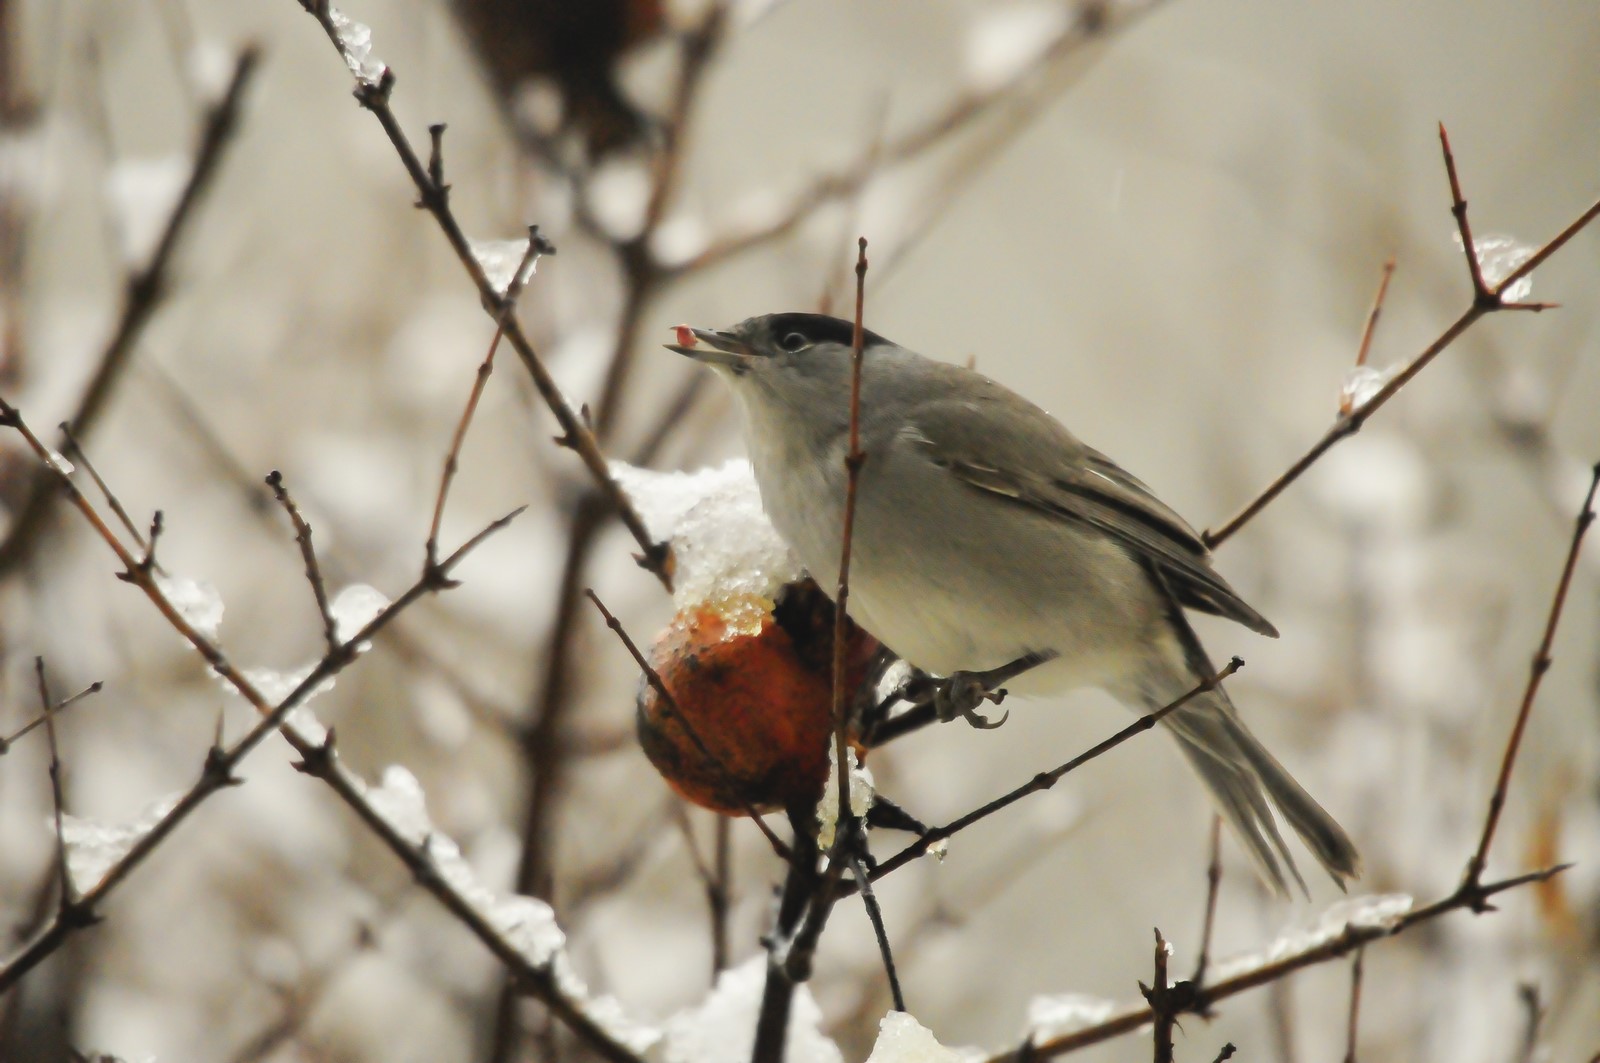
(1171, 243)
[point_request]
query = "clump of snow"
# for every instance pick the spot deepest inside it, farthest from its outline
(526, 922)
(501, 261)
(354, 608)
(142, 194)
(355, 44)
(93, 846)
(1379, 911)
(902, 1039)
(1005, 41)
(196, 601)
(606, 1011)
(722, 1029)
(861, 794)
(1363, 382)
(1058, 1014)
(726, 554)
(1498, 257)
(303, 722)
(274, 685)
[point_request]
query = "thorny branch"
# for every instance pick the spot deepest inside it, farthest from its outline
(433, 196)
(1485, 301)
(318, 758)
(1541, 664)
(1353, 937)
(142, 296)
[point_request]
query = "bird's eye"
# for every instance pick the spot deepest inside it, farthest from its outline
(793, 341)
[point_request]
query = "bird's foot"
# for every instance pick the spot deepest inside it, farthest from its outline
(960, 693)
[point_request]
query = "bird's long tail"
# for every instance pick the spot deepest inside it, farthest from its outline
(1245, 780)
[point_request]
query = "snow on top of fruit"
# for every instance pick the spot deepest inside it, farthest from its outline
(726, 555)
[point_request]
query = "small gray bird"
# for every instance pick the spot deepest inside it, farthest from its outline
(986, 532)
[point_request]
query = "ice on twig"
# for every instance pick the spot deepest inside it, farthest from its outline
(861, 794)
(902, 1039)
(1363, 382)
(725, 551)
(1006, 41)
(142, 194)
(354, 608)
(196, 601)
(501, 259)
(722, 1028)
(355, 44)
(1498, 257)
(93, 847)
(62, 465)
(1057, 1014)
(1379, 911)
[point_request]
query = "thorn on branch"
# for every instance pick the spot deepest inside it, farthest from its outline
(436, 165)
(218, 768)
(302, 536)
(318, 760)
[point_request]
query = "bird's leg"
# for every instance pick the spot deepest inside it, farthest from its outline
(960, 693)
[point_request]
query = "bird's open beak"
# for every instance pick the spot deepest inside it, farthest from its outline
(711, 347)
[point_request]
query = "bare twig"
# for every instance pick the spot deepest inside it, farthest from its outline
(537, 245)
(854, 459)
(817, 895)
(869, 900)
(57, 801)
(1485, 301)
(1347, 400)
(142, 296)
(1354, 1020)
(302, 536)
(7, 742)
(1352, 938)
(1163, 1004)
(1541, 664)
(713, 879)
(1528, 994)
(78, 456)
(1213, 886)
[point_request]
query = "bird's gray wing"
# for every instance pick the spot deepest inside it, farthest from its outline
(994, 441)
